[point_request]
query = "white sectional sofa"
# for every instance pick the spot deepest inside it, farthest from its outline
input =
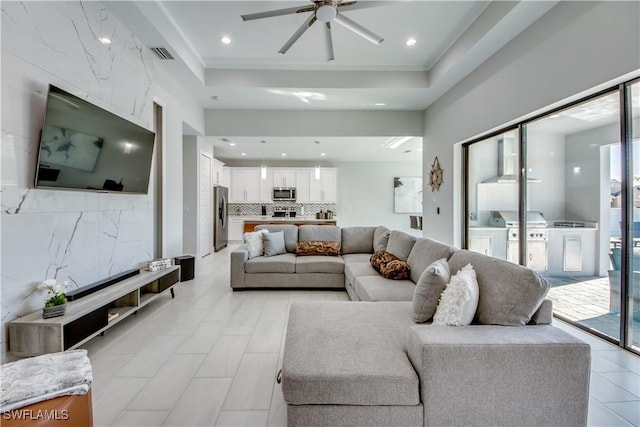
(367, 363)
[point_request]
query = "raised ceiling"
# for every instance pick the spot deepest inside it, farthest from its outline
(453, 38)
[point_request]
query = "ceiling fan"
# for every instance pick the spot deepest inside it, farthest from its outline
(327, 12)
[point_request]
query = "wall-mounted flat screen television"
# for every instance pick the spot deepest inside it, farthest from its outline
(83, 147)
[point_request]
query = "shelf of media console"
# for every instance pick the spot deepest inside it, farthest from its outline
(89, 316)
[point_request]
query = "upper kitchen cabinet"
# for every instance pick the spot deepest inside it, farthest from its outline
(302, 185)
(324, 189)
(284, 177)
(266, 186)
(245, 185)
(217, 172)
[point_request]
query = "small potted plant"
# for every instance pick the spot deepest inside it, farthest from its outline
(56, 304)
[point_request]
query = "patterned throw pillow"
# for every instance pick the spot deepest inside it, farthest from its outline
(318, 248)
(380, 258)
(395, 270)
(255, 243)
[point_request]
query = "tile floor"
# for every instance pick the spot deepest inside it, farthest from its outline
(209, 357)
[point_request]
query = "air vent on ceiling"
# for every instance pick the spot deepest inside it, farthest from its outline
(162, 53)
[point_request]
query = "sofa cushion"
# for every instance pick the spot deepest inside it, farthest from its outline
(380, 258)
(381, 238)
(424, 253)
(285, 263)
(377, 288)
(509, 293)
(255, 243)
(348, 353)
(318, 248)
(459, 300)
(290, 234)
(354, 270)
(400, 244)
(395, 270)
(356, 258)
(357, 240)
(428, 289)
(319, 264)
(274, 244)
(327, 233)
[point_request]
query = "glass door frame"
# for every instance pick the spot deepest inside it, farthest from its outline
(626, 149)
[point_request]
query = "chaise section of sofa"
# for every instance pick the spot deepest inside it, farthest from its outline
(346, 364)
(483, 375)
(353, 363)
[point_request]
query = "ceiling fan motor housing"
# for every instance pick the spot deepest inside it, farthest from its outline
(326, 10)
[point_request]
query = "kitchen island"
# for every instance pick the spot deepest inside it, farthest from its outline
(240, 224)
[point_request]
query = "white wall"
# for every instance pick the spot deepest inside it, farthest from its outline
(190, 161)
(573, 48)
(192, 150)
(313, 123)
(181, 111)
(365, 193)
(70, 235)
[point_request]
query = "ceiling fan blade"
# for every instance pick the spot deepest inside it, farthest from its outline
(299, 32)
(358, 29)
(278, 12)
(329, 41)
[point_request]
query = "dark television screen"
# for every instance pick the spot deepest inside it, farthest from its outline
(84, 147)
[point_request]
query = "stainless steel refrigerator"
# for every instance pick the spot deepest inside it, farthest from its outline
(220, 227)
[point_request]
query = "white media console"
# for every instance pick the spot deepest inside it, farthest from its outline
(88, 316)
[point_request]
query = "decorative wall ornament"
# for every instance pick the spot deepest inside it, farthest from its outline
(435, 176)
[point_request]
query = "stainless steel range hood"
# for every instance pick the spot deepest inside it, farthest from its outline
(507, 167)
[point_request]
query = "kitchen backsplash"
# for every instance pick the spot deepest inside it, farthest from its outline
(256, 208)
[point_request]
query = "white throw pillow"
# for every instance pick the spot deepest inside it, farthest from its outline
(255, 243)
(459, 300)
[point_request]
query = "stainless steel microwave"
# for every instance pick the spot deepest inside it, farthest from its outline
(283, 193)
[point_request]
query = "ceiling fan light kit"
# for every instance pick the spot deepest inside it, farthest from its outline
(327, 12)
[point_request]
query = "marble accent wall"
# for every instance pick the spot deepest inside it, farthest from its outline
(68, 235)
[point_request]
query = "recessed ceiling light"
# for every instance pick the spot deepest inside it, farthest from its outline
(243, 154)
(411, 42)
(225, 40)
(379, 104)
(283, 154)
(104, 40)
(233, 144)
(323, 154)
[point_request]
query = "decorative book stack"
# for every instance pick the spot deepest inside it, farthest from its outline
(159, 264)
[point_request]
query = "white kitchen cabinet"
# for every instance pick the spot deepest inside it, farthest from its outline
(284, 177)
(217, 172)
(491, 241)
(266, 187)
(324, 189)
(236, 229)
(302, 185)
(573, 251)
(481, 244)
(245, 185)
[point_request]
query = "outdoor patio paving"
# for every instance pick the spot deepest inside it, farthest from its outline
(585, 300)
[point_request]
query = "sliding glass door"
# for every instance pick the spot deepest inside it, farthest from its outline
(573, 175)
(633, 208)
(560, 193)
